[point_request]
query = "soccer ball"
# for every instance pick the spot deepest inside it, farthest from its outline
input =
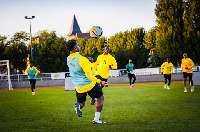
(96, 31)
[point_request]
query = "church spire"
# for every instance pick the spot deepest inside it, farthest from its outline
(74, 28)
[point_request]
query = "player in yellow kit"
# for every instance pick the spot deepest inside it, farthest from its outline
(167, 69)
(186, 66)
(93, 66)
(105, 62)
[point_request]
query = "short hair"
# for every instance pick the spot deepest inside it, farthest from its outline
(184, 54)
(109, 49)
(71, 44)
(90, 59)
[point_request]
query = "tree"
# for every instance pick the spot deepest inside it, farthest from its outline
(191, 20)
(20, 38)
(52, 53)
(82, 43)
(129, 45)
(101, 43)
(17, 54)
(16, 51)
(3, 45)
(178, 28)
(59, 55)
(169, 39)
(154, 59)
(92, 47)
(150, 39)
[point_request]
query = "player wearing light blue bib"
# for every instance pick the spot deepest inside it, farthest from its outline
(77, 74)
(85, 82)
(32, 72)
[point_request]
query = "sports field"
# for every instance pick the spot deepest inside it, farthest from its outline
(145, 108)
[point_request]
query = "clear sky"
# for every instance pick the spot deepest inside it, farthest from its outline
(56, 15)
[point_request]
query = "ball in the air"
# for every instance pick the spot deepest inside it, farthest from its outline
(96, 31)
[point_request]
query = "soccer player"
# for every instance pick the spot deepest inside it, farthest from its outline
(93, 66)
(85, 82)
(167, 69)
(94, 72)
(131, 69)
(32, 72)
(105, 62)
(186, 66)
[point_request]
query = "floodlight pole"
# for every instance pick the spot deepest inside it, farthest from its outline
(30, 35)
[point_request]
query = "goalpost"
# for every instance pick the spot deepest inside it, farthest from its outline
(5, 82)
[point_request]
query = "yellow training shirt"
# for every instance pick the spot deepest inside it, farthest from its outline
(94, 68)
(86, 66)
(103, 62)
(187, 63)
(167, 68)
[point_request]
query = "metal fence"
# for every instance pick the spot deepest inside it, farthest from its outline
(24, 77)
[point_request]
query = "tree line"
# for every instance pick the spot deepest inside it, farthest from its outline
(177, 31)
(49, 51)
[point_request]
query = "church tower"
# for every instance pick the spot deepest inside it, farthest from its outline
(74, 29)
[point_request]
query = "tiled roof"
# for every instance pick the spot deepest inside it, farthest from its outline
(83, 35)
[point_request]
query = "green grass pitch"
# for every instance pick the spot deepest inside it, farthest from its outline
(145, 108)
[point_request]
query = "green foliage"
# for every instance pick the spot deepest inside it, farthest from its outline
(150, 39)
(145, 108)
(20, 38)
(49, 53)
(45, 57)
(154, 60)
(82, 43)
(123, 46)
(3, 45)
(178, 29)
(129, 45)
(101, 44)
(140, 56)
(52, 53)
(16, 51)
(191, 20)
(17, 54)
(59, 53)
(170, 28)
(91, 47)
